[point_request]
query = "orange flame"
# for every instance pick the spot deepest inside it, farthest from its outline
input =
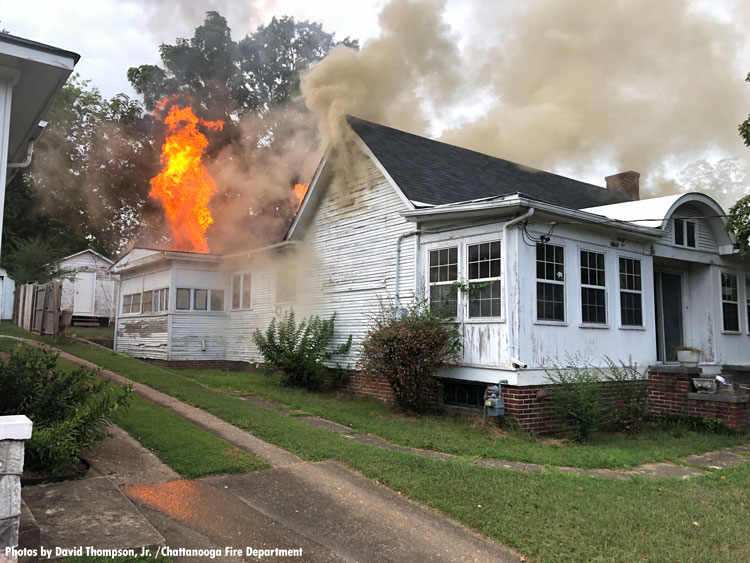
(299, 193)
(183, 185)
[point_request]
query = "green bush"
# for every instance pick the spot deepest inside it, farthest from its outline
(630, 394)
(576, 395)
(408, 349)
(69, 409)
(299, 351)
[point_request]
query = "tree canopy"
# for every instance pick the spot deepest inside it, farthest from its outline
(739, 213)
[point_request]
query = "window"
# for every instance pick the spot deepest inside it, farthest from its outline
(161, 299)
(247, 291)
(242, 293)
(127, 304)
(484, 279)
(183, 299)
(236, 282)
(631, 307)
(200, 299)
(443, 272)
(684, 233)
(462, 394)
(217, 299)
(286, 284)
(730, 303)
(550, 284)
(593, 297)
(148, 299)
(136, 303)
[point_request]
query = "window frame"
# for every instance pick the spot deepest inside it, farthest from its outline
(177, 299)
(446, 283)
(238, 291)
(747, 302)
(736, 303)
(638, 292)
(553, 282)
(206, 299)
(480, 280)
(160, 302)
(683, 232)
(602, 287)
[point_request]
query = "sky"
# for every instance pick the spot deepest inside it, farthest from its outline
(578, 87)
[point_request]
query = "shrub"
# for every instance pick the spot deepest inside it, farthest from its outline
(408, 349)
(69, 409)
(630, 389)
(576, 395)
(299, 351)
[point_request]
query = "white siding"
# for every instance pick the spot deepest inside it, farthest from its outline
(706, 235)
(191, 331)
(143, 336)
(346, 265)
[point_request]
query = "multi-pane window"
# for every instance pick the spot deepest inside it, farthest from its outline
(684, 233)
(160, 299)
(631, 292)
(747, 300)
(217, 299)
(730, 302)
(148, 300)
(461, 394)
(593, 297)
(286, 284)
(242, 292)
(484, 279)
(131, 303)
(200, 299)
(550, 282)
(183, 299)
(443, 274)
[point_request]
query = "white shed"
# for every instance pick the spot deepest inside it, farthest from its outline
(7, 289)
(88, 288)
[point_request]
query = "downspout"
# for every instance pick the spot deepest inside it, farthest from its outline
(401, 237)
(29, 152)
(117, 315)
(512, 346)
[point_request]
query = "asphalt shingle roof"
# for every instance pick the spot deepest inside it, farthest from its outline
(437, 173)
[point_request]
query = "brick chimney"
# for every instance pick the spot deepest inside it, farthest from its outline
(625, 181)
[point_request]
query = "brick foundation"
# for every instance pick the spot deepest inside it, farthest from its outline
(672, 393)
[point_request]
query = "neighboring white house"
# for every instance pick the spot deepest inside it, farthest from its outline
(89, 289)
(555, 268)
(7, 288)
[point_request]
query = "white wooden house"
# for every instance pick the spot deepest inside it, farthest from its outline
(556, 268)
(88, 288)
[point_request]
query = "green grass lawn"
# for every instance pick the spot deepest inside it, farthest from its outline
(550, 517)
(88, 332)
(166, 435)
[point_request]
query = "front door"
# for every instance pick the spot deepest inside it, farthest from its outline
(668, 315)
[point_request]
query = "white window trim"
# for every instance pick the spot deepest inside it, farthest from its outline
(467, 317)
(736, 303)
(589, 324)
(190, 299)
(551, 322)
(621, 290)
(436, 247)
(231, 292)
(684, 232)
(140, 304)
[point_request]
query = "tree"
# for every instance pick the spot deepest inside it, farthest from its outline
(739, 214)
(88, 183)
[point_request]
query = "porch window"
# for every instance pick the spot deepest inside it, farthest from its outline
(160, 299)
(200, 299)
(286, 284)
(484, 276)
(217, 299)
(631, 302)
(593, 298)
(684, 233)
(242, 292)
(131, 303)
(730, 303)
(148, 300)
(550, 282)
(443, 272)
(183, 299)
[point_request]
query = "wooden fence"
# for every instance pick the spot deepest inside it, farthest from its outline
(37, 307)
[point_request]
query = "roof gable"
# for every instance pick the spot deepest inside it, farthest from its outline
(435, 173)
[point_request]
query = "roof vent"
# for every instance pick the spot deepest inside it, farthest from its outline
(625, 181)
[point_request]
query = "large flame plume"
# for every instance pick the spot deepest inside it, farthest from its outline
(184, 187)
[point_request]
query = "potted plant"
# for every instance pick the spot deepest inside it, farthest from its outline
(688, 356)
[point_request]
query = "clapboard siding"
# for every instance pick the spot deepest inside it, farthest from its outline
(191, 330)
(346, 266)
(143, 336)
(706, 239)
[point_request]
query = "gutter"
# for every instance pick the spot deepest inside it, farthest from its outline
(512, 346)
(29, 152)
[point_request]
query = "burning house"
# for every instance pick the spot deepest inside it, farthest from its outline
(556, 269)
